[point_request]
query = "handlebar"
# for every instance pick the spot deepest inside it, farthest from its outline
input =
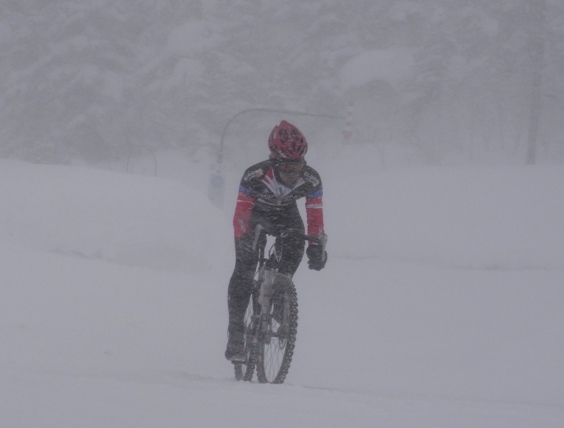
(320, 240)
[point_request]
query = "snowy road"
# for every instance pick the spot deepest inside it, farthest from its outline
(138, 349)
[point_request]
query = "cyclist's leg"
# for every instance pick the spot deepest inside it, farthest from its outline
(293, 249)
(238, 294)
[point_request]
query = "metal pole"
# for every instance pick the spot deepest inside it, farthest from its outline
(537, 19)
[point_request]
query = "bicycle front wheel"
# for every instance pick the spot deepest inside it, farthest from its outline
(277, 341)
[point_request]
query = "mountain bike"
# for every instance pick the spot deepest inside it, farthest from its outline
(271, 319)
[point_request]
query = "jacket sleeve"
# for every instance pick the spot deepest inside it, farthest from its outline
(314, 213)
(243, 209)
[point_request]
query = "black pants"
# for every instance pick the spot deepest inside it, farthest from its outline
(240, 285)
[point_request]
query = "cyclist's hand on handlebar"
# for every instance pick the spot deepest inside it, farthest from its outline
(316, 257)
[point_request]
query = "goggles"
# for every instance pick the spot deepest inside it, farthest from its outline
(290, 167)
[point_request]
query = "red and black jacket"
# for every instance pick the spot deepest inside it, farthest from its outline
(261, 192)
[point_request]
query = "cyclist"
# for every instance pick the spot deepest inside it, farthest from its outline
(267, 196)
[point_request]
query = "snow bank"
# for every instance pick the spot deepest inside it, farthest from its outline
(126, 219)
(491, 217)
(484, 218)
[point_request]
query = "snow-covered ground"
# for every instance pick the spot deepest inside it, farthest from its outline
(442, 304)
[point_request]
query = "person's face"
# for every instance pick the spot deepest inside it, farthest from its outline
(290, 171)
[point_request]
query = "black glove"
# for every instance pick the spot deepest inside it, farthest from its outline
(317, 257)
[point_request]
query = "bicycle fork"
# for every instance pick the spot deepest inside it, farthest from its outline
(265, 296)
(273, 283)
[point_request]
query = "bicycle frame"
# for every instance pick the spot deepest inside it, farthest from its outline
(273, 309)
(266, 277)
(269, 278)
(268, 266)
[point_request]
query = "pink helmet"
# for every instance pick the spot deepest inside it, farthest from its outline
(287, 143)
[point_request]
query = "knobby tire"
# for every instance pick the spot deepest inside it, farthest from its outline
(274, 354)
(271, 358)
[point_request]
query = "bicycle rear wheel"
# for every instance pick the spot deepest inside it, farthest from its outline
(275, 347)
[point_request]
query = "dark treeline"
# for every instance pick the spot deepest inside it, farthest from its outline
(101, 80)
